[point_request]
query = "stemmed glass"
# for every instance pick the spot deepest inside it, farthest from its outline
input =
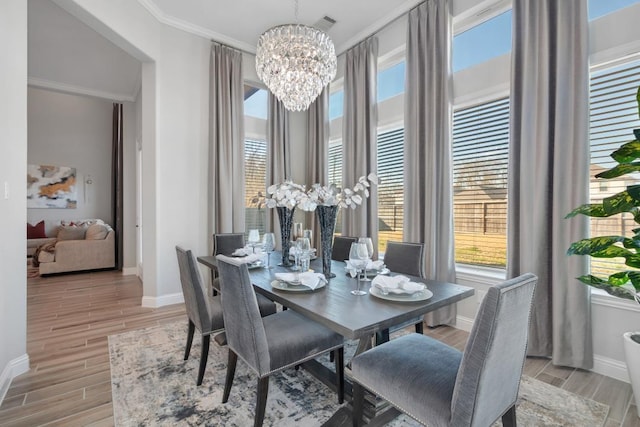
(269, 244)
(304, 249)
(369, 243)
(253, 239)
(358, 259)
(296, 233)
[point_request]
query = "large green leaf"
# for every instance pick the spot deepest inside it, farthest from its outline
(614, 252)
(592, 209)
(619, 170)
(633, 260)
(620, 202)
(594, 244)
(627, 152)
(618, 291)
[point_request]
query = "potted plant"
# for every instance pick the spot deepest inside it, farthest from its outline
(626, 282)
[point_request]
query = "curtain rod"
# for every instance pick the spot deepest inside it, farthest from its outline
(232, 47)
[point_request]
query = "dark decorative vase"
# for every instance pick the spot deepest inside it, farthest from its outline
(327, 218)
(285, 216)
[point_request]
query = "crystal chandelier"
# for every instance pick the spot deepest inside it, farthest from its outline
(295, 62)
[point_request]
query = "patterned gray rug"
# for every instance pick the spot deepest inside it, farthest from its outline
(153, 386)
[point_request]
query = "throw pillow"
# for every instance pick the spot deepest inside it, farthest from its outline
(36, 231)
(71, 233)
(97, 232)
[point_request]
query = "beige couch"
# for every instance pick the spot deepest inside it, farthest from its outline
(77, 255)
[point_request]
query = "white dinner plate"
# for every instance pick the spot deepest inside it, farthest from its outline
(417, 296)
(290, 287)
(311, 258)
(254, 265)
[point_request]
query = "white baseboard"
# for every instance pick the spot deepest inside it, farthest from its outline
(130, 271)
(464, 323)
(155, 302)
(15, 367)
(610, 367)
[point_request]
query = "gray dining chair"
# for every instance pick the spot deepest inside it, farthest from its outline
(225, 244)
(404, 258)
(271, 344)
(203, 311)
(440, 386)
(341, 247)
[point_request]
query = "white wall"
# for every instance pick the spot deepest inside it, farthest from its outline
(13, 209)
(75, 131)
(130, 127)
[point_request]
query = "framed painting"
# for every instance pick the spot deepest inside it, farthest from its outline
(51, 187)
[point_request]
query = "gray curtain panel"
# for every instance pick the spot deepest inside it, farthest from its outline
(359, 135)
(428, 181)
(226, 141)
(317, 159)
(549, 172)
(278, 154)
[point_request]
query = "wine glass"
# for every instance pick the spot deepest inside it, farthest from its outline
(269, 244)
(358, 258)
(369, 243)
(309, 235)
(253, 239)
(304, 249)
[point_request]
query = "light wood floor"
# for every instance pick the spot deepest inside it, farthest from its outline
(69, 318)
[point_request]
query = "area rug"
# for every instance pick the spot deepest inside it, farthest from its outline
(153, 386)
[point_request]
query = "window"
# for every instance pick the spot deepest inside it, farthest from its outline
(255, 161)
(391, 81)
(391, 188)
(335, 174)
(255, 102)
(598, 8)
(483, 42)
(480, 156)
(255, 155)
(613, 116)
(336, 104)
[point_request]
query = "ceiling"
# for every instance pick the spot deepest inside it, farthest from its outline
(67, 55)
(239, 23)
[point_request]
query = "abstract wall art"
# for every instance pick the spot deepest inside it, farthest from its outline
(51, 187)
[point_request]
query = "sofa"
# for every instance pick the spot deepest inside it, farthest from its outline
(38, 235)
(78, 248)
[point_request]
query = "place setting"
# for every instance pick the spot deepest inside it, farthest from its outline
(399, 288)
(256, 250)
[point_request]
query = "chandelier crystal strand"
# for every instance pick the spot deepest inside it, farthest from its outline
(295, 62)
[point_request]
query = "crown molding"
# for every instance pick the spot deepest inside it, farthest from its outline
(377, 26)
(78, 90)
(197, 30)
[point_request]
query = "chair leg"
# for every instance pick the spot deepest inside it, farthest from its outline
(192, 329)
(340, 373)
(358, 407)
(382, 336)
(509, 417)
(231, 372)
(261, 404)
(420, 328)
(203, 357)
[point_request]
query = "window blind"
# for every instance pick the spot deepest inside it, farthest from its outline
(480, 157)
(391, 189)
(255, 156)
(613, 116)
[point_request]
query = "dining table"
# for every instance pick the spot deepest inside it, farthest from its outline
(356, 317)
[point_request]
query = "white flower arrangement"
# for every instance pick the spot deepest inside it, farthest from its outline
(289, 194)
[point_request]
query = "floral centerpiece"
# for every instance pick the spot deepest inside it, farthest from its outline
(324, 200)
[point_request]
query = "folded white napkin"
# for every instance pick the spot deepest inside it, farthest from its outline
(246, 251)
(309, 278)
(249, 259)
(396, 285)
(371, 265)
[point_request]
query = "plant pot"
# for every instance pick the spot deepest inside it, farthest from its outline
(632, 356)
